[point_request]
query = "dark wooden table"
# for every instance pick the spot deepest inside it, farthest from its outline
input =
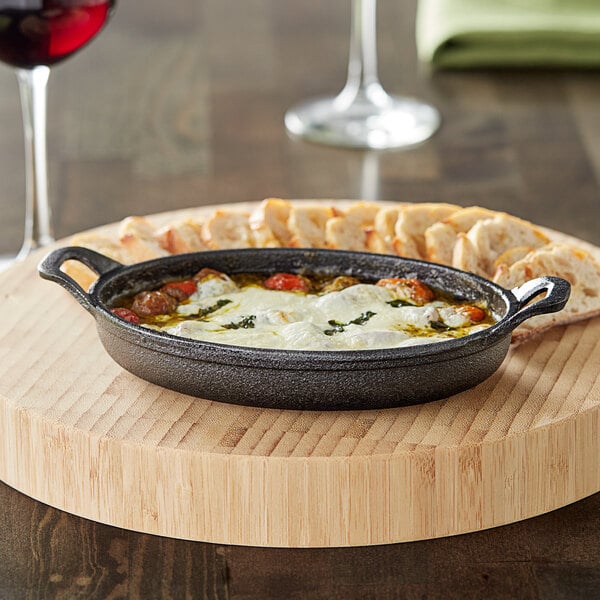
(181, 104)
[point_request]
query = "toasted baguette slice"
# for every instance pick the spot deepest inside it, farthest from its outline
(465, 218)
(440, 239)
(441, 236)
(562, 260)
(136, 235)
(181, 236)
(512, 255)
(264, 238)
(307, 224)
(100, 243)
(268, 222)
(380, 238)
(226, 229)
(342, 234)
(492, 237)
(465, 256)
(413, 221)
(362, 213)
(349, 231)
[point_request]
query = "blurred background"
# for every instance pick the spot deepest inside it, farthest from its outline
(181, 104)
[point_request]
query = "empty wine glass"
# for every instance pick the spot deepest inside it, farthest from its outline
(35, 34)
(363, 114)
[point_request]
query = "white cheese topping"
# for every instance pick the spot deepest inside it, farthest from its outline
(212, 286)
(359, 317)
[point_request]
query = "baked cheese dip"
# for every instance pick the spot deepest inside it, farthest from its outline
(296, 312)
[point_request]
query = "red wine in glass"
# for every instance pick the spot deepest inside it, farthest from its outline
(35, 34)
(44, 32)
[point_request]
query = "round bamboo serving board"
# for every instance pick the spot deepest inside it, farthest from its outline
(79, 433)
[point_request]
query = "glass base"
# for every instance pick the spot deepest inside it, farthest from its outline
(397, 123)
(7, 260)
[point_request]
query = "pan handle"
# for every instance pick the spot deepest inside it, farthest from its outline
(557, 293)
(50, 266)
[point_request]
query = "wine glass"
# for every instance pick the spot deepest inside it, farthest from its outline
(35, 34)
(363, 114)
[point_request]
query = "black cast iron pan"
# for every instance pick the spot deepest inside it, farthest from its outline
(295, 379)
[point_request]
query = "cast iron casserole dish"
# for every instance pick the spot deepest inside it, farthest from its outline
(299, 379)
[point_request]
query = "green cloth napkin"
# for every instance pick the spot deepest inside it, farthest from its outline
(514, 33)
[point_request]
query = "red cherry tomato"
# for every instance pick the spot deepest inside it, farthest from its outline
(288, 282)
(127, 315)
(180, 290)
(473, 313)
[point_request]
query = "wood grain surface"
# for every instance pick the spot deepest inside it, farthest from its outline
(211, 80)
(81, 434)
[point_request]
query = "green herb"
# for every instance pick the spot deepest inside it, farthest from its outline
(438, 325)
(337, 327)
(203, 312)
(363, 318)
(244, 323)
(398, 302)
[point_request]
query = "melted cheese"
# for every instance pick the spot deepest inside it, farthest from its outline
(359, 317)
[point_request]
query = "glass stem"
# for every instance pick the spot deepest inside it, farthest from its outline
(38, 221)
(363, 84)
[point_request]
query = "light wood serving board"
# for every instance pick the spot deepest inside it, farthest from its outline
(79, 433)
